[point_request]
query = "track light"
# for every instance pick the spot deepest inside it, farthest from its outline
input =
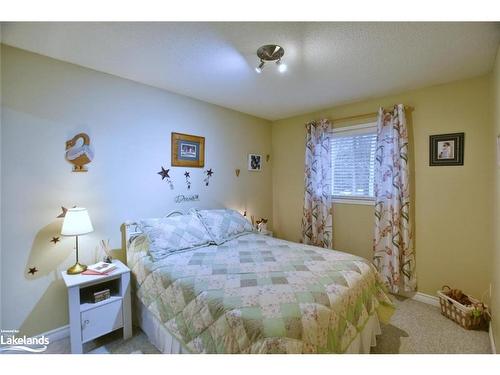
(271, 53)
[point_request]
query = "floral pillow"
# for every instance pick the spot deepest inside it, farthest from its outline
(224, 225)
(173, 234)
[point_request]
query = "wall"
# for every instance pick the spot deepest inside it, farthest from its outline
(495, 308)
(45, 103)
(1, 283)
(453, 211)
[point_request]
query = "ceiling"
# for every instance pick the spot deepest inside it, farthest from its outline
(328, 63)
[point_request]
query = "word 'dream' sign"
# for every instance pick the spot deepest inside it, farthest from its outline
(181, 198)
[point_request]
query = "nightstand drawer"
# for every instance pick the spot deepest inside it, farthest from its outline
(101, 320)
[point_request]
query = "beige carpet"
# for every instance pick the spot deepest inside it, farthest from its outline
(415, 328)
(418, 328)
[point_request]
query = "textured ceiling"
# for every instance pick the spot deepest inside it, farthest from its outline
(328, 63)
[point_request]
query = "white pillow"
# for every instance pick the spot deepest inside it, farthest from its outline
(224, 225)
(173, 234)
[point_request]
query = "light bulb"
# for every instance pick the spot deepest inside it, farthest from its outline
(282, 67)
(258, 70)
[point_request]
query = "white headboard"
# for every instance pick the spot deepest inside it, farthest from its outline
(130, 230)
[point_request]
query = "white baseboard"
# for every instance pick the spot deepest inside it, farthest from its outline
(492, 340)
(56, 334)
(426, 298)
(422, 297)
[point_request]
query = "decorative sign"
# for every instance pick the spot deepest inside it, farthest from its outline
(181, 198)
(79, 153)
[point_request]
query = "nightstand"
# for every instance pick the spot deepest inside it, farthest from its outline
(89, 320)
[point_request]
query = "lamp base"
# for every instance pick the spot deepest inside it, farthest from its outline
(76, 269)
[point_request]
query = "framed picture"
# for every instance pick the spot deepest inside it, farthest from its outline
(446, 149)
(188, 150)
(254, 162)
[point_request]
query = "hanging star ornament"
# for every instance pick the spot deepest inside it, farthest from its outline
(188, 183)
(209, 173)
(55, 240)
(164, 173)
(32, 270)
(63, 213)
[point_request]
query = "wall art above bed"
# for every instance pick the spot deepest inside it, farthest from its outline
(188, 150)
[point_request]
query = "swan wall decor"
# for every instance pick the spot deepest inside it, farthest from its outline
(79, 153)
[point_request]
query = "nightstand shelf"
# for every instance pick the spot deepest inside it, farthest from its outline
(89, 320)
(89, 305)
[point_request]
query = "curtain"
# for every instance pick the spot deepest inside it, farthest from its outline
(394, 255)
(317, 214)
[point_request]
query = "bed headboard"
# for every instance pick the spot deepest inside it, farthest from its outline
(130, 230)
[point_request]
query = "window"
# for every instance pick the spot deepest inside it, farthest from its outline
(353, 163)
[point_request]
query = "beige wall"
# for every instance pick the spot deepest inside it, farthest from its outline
(1, 276)
(496, 256)
(453, 210)
(45, 103)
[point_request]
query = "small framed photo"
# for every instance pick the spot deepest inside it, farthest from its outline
(446, 149)
(188, 150)
(254, 162)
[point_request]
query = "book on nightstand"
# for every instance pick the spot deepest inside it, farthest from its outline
(100, 268)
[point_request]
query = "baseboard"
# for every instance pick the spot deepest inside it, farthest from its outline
(422, 297)
(492, 340)
(56, 334)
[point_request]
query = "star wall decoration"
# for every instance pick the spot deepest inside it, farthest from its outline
(32, 270)
(63, 213)
(209, 173)
(188, 182)
(55, 240)
(164, 173)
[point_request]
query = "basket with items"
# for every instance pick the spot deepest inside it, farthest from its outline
(465, 310)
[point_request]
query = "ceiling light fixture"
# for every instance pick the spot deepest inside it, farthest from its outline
(271, 53)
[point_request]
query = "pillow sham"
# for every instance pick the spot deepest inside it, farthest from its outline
(224, 224)
(168, 235)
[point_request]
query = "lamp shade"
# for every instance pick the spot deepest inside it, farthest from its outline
(76, 222)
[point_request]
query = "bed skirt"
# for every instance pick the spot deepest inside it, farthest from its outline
(161, 338)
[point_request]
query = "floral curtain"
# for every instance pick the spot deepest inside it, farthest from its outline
(394, 255)
(317, 215)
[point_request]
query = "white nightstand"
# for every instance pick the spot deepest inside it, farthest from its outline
(89, 320)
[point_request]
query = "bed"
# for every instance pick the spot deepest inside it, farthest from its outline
(256, 294)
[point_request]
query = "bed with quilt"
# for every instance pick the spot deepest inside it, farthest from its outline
(206, 282)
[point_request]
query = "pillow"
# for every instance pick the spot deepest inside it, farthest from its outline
(173, 234)
(224, 225)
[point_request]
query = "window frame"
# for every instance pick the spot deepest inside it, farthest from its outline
(353, 129)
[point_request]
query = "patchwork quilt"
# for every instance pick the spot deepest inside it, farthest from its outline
(258, 294)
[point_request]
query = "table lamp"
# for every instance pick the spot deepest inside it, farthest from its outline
(76, 223)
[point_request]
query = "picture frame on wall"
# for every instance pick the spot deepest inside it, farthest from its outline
(446, 149)
(187, 150)
(254, 162)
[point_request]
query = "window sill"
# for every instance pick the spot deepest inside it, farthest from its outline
(366, 202)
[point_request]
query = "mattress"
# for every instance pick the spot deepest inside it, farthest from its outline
(258, 294)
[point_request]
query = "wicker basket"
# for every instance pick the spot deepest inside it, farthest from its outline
(459, 313)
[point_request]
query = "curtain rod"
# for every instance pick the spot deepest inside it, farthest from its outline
(365, 115)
